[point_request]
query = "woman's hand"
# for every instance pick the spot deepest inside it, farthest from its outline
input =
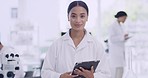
(126, 37)
(67, 75)
(85, 73)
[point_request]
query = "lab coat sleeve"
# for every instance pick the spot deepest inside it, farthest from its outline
(115, 36)
(102, 70)
(49, 65)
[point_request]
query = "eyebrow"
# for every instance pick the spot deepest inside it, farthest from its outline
(76, 14)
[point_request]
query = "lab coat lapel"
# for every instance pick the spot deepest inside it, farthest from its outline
(119, 28)
(68, 40)
(84, 42)
(71, 43)
(81, 45)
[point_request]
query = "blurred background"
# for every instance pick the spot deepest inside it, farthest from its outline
(30, 26)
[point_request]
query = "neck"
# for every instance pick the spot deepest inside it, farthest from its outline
(77, 34)
(119, 21)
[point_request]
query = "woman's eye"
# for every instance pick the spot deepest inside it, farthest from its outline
(73, 16)
(82, 16)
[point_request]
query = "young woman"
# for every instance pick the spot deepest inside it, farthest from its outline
(77, 45)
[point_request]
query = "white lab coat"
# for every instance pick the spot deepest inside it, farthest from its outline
(8, 50)
(63, 55)
(116, 45)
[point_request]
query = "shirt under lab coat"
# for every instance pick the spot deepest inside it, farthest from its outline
(63, 55)
(117, 45)
(8, 50)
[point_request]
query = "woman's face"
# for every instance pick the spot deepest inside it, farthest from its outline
(122, 19)
(78, 17)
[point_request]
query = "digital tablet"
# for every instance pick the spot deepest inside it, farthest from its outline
(86, 65)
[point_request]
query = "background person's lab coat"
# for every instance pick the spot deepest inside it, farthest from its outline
(117, 45)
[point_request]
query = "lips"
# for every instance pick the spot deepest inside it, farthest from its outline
(78, 25)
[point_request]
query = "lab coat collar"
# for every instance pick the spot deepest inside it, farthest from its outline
(87, 39)
(87, 36)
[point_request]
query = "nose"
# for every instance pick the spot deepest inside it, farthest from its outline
(78, 20)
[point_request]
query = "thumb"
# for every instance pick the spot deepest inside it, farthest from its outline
(68, 72)
(92, 69)
(73, 76)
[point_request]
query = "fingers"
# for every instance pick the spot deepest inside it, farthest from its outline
(74, 76)
(84, 72)
(68, 72)
(82, 69)
(66, 75)
(71, 76)
(92, 69)
(78, 72)
(126, 34)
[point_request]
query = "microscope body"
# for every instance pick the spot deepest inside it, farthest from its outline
(9, 65)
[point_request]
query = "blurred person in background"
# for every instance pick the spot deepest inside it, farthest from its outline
(117, 39)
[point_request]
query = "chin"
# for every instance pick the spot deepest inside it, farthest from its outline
(78, 29)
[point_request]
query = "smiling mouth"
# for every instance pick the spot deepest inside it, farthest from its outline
(78, 25)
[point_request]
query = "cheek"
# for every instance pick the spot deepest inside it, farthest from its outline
(84, 20)
(71, 21)
(120, 19)
(123, 19)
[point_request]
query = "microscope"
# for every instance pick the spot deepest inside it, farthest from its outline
(9, 65)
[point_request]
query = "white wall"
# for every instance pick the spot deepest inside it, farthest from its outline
(45, 15)
(5, 19)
